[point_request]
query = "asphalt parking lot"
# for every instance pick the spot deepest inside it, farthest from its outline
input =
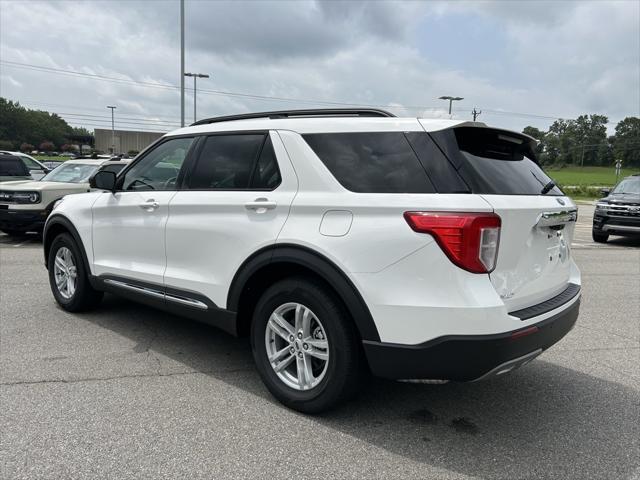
(131, 392)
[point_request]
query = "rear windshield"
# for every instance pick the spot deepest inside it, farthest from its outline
(11, 166)
(494, 162)
(371, 162)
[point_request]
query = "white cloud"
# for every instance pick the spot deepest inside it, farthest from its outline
(566, 58)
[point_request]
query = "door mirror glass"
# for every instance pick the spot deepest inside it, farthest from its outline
(104, 180)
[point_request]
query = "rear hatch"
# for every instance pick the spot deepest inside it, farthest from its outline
(533, 263)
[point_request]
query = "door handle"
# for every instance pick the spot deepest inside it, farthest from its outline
(260, 205)
(150, 205)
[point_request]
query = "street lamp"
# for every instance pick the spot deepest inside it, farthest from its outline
(195, 77)
(451, 100)
(113, 132)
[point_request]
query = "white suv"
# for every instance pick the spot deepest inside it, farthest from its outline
(340, 241)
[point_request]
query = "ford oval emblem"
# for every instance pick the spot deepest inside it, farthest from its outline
(560, 201)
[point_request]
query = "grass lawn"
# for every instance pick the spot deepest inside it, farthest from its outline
(45, 158)
(586, 176)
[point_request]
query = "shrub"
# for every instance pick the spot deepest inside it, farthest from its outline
(26, 147)
(47, 146)
(6, 145)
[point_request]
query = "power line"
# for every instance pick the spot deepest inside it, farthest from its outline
(250, 96)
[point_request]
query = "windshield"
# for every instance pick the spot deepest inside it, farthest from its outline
(71, 172)
(628, 185)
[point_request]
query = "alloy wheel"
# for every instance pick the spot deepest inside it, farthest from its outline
(65, 273)
(297, 346)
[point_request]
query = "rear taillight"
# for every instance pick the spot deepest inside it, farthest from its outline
(470, 240)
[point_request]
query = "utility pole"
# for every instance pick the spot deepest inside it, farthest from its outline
(113, 131)
(182, 63)
(451, 100)
(195, 77)
(475, 113)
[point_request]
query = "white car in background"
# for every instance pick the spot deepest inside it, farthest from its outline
(36, 168)
(25, 204)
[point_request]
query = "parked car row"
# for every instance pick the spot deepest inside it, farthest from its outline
(25, 202)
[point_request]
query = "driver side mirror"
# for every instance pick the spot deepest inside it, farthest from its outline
(104, 180)
(605, 192)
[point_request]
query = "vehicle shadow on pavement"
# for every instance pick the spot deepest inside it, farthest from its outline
(542, 421)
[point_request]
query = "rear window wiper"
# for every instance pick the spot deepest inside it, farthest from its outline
(548, 187)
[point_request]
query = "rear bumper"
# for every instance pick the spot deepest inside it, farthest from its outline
(470, 357)
(24, 220)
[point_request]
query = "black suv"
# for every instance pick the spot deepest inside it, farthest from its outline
(619, 212)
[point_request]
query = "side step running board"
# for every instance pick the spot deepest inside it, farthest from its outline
(158, 294)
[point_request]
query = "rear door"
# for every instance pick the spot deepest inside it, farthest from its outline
(236, 198)
(534, 256)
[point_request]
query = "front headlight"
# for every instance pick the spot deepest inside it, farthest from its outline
(601, 206)
(26, 197)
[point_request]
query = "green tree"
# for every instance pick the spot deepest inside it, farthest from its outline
(540, 136)
(626, 142)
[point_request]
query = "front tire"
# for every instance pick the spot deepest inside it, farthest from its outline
(599, 236)
(68, 276)
(305, 345)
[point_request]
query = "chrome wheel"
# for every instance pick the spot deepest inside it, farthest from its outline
(65, 273)
(297, 346)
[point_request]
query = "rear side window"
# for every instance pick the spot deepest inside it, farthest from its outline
(235, 162)
(11, 166)
(371, 162)
(495, 162)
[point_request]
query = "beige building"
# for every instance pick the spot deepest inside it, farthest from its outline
(125, 140)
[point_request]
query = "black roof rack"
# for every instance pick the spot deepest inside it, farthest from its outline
(317, 112)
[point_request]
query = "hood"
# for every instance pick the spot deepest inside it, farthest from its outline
(38, 186)
(622, 199)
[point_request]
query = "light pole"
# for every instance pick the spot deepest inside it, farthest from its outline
(113, 131)
(451, 100)
(182, 63)
(195, 77)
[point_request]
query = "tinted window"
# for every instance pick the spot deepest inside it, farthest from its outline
(30, 163)
(266, 174)
(11, 166)
(158, 169)
(380, 162)
(494, 161)
(226, 162)
(444, 177)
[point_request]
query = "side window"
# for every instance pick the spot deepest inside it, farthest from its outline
(266, 174)
(159, 169)
(31, 165)
(228, 162)
(377, 162)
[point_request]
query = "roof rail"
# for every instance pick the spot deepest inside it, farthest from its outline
(317, 112)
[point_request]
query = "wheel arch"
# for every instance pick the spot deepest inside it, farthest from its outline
(273, 263)
(57, 224)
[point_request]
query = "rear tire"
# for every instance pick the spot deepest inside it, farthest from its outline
(324, 329)
(599, 236)
(68, 276)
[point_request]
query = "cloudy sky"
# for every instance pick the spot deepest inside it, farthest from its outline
(521, 63)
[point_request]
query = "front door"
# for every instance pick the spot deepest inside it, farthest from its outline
(128, 226)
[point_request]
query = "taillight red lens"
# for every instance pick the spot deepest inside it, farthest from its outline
(470, 240)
